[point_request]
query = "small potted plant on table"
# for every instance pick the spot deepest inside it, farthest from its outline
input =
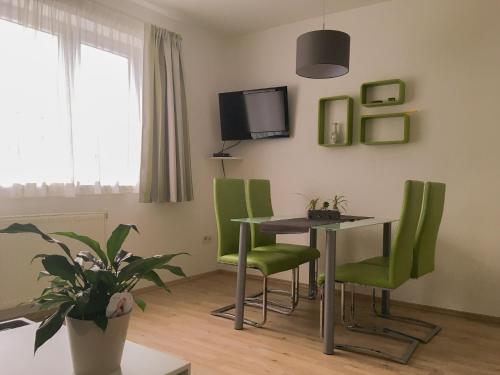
(329, 210)
(91, 292)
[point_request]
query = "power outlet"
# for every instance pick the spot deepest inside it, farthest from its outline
(207, 239)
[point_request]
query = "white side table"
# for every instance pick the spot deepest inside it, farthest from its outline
(54, 358)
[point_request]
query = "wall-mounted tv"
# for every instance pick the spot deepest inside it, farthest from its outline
(254, 114)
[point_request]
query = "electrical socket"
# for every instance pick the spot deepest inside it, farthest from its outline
(207, 239)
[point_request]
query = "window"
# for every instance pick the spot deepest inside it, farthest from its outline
(70, 106)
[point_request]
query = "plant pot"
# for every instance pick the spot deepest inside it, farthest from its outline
(323, 214)
(93, 351)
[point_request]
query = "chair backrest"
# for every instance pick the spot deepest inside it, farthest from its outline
(229, 203)
(400, 262)
(258, 196)
(428, 227)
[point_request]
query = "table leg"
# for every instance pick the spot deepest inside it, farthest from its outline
(386, 251)
(241, 276)
(313, 272)
(329, 293)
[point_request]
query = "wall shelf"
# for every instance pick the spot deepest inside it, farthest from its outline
(347, 121)
(371, 121)
(367, 97)
(225, 158)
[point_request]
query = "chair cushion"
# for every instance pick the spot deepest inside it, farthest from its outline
(362, 274)
(267, 262)
(377, 261)
(304, 253)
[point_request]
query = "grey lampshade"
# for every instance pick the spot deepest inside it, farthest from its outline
(323, 54)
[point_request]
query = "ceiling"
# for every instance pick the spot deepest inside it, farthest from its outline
(245, 16)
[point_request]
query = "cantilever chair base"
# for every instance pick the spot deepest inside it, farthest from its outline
(260, 300)
(434, 329)
(384, 332)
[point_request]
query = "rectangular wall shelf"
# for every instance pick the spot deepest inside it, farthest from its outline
(366, 87)
(347, 129)
(365, 120)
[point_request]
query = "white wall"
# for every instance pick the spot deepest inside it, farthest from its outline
(448, 53)
(164, 227)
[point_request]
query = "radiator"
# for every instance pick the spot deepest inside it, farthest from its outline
(18, 282)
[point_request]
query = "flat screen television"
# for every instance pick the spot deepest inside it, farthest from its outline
(254, 114)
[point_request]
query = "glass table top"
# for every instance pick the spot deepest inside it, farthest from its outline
(334, 227)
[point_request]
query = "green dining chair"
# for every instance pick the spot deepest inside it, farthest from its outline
(395, 271)
(259, 204)
(424, 251)
(230, 203)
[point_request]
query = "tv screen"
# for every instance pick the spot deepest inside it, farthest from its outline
(254, 114)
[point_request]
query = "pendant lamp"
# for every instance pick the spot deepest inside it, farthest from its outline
(323, 53)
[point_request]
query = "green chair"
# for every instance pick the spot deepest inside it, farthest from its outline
(259, 204)
(230, 203)
(424, 251)
(395, 271)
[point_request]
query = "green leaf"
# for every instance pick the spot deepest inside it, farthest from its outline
(86, 256)
(101, 321)
(155, 278)
(174, 269)
(39, 256)
(58, 265)
(139, 302)
(121, 256)
(43, 274)
(93, 244)
(102, 276)
(143, 266)
(132, 259)
(46, 304)
(51, 325)
(117, 239)
(30, 228)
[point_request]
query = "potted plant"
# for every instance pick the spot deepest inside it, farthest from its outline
(91, 292)
(329, 209)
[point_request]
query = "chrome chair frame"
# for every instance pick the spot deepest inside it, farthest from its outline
(261, 300)
(434, 329)
(352, 325)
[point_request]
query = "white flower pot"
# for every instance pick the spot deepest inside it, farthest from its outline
(93, 351)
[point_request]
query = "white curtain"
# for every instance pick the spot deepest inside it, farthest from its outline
(165, 164)
(70, 88)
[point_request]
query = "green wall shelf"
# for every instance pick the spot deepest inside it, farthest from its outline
(366, 87)
(366, 120)
(347, 130)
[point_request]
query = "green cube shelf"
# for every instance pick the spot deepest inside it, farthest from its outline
(370, 85)
(348, 121)
(366, 119)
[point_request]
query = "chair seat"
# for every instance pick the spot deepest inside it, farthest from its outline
(304, 253)
(362, 274)
(267, 262)
(377, 261)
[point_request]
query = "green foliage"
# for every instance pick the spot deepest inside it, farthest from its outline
(339, 202)
(81, 287)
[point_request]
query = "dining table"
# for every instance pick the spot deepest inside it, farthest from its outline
(298, 224)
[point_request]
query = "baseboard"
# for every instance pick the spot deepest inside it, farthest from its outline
(460, 314)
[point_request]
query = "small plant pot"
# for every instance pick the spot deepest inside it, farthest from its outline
(93, 351)
(323, 214)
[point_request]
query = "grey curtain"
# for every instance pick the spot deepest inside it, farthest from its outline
(165, 160)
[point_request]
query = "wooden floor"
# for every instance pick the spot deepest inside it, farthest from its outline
(180, 324)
